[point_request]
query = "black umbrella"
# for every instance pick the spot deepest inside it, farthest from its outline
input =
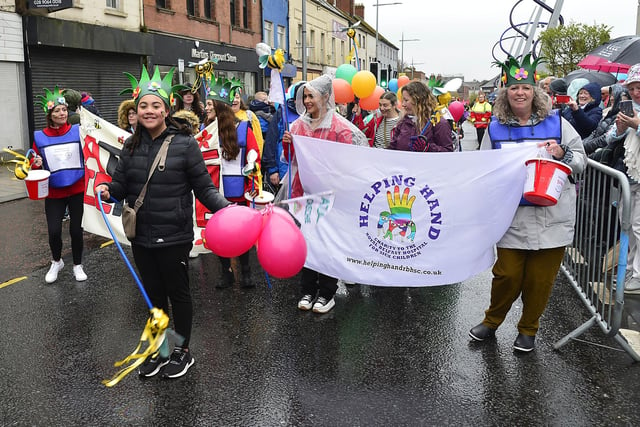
(616, 55)
(600, 77)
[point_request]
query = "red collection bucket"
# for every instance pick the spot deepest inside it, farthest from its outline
(545, 179)
(37, 182)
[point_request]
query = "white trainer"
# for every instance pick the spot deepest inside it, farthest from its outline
(52, 274)
(81, 276)
(322, 305)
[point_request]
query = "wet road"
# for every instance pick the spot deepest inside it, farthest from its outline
(381, 357)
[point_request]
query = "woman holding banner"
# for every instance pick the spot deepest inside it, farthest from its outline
(530, 252)
(164, 226)
(59, 151)
(318, 119)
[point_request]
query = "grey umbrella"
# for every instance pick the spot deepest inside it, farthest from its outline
(600, 77)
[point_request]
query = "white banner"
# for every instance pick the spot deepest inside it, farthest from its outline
(405, 218)
(310, 208)
(101, 142)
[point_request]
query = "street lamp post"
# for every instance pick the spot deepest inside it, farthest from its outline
(402, 40)
(377, 6)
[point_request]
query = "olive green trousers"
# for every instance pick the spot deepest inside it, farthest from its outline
(526, 273)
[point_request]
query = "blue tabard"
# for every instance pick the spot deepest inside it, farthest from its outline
(62, 156)
(549, 128)
(233, 184)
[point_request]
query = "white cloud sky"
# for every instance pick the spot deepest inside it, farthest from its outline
(457, 36)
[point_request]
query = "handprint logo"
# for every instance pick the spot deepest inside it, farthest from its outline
(399, 214)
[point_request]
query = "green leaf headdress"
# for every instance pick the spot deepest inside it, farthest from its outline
(161, 87)
(50, 99)
(221, 89)
(519, 73)
(236, 86)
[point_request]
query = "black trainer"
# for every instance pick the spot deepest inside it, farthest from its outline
(525, 343)
(245, 280)
(226, 280)
(482, 332)
(152, 365)
(179, 363)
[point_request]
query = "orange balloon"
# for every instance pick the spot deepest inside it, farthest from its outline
(342, 91)
(403, 80)
(372, 101)
(363, 83)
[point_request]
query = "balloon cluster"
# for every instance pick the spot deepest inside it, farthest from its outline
(350, 83)
(281, 248)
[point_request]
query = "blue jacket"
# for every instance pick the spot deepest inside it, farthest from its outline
(272, 157)
(585, 120)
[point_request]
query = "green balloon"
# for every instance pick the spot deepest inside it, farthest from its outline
(346, 72)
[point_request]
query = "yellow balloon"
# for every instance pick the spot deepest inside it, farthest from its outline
(363, 83)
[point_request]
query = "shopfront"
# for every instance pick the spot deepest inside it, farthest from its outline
(183, 54)
(83, 57)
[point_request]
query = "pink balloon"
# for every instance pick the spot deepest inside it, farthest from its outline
(371, 102)
(281, 247)
(232, 231)
(342, 91)
(274, 210)
(284, 214)
(456, 108)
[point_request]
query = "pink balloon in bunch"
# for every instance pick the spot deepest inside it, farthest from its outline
(456, 108)
(403, 80)
(232, 231)
(372, 101)
(342, 91)
(281, 246)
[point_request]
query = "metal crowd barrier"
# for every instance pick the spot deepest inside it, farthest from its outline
(595, 264)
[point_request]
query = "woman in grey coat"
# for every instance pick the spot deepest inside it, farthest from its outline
(530, 252)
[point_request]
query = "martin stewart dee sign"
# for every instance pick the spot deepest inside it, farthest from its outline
(221, 57)
(50, 4)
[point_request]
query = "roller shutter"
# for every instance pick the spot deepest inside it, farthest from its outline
(100, 73)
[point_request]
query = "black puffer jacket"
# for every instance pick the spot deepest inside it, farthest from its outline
(597, 139)
(166, 216)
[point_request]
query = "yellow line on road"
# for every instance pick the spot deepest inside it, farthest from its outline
(110, 242)
(12, 281)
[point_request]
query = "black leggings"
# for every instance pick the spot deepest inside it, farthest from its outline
(480, 135)
(54, 211)
(244, 262)
(313, 282)
(165, 275)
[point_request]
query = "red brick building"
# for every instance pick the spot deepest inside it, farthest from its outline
(187, 31)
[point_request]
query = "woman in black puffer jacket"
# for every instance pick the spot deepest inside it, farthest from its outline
(597, 140)
(164, 227)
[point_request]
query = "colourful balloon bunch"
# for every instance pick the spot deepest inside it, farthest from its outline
(280, 244)
(350, 83)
